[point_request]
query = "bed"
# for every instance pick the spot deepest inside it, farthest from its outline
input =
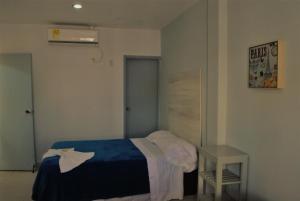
(121, 168)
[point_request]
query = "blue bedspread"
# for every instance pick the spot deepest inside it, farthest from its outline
(118, 169)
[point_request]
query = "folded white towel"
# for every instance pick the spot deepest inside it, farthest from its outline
(69, 158)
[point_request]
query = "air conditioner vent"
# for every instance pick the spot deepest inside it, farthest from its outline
(81, 36)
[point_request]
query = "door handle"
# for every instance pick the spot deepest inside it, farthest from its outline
(28, 111)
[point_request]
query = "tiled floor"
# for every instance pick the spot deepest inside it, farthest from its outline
(16, 186)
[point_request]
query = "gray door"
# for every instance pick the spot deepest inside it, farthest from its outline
(141, 96)
(16, 120)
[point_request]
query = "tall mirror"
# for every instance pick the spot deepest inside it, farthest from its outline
(101, 72)
(183, 76)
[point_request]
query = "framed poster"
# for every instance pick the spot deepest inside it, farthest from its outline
(265, 65)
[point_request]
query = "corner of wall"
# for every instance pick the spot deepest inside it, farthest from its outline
(217, 71)
(222, 70)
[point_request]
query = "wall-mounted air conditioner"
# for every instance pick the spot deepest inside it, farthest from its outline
(82, 36)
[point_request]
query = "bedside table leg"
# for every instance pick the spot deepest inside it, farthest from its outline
(243, 187)
(219, 176)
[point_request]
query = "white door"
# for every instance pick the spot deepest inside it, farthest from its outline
(16, 116)
(141, 97)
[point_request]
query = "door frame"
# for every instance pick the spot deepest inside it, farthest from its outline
(137, 57)
(35, 165)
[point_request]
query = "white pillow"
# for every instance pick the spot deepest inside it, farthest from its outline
(176, 150)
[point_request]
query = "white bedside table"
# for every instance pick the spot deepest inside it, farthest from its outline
(223, 155)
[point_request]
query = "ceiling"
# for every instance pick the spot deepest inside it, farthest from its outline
(147, 14)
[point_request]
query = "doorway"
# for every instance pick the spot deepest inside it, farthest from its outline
(16, 114)
(141, 96)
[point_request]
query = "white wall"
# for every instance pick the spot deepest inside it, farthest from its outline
(74, 97)
(216, 71)
(265, 122)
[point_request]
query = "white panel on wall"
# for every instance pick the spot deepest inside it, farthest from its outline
(184, 105)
